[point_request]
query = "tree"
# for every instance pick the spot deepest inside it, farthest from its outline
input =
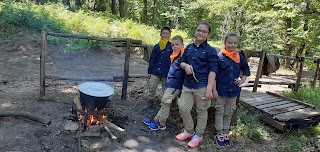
(78, 3)
(145, 11)
(100, 5)
(113, 6)
(121, 8)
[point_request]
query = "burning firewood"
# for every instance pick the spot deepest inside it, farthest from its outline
(110, 124)
(110, 133)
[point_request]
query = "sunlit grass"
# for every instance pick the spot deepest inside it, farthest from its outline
(248, 125)
(56, 18)
(309, 95)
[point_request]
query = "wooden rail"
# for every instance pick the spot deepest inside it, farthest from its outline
(301, 60)
(123, 42)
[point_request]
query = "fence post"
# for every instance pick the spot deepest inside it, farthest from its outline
(126, 70)
(316, 74)
(42, 62)
(299, 74)
(258, 74)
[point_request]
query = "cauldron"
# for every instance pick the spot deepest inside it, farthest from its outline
(94, 95)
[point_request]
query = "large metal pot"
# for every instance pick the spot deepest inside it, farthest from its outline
(94, 95)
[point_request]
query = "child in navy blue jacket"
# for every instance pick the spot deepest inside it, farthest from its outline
(199, 61)
(173, 86)
(159, 64)
(229, 66)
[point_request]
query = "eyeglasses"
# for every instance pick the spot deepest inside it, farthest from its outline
(165, 33)
(202, 31)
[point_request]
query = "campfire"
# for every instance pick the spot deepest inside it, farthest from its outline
(87, 118)
(90, 112)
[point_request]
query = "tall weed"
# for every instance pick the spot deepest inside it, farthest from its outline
(309, 95)
(248, 125)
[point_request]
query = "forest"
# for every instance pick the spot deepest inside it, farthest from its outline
(285, 27)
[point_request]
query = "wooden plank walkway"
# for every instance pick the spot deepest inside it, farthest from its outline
(279, 111)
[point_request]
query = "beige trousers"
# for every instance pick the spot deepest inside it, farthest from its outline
(153, 85)
(224, 108)
(186, 102)
(169, 95)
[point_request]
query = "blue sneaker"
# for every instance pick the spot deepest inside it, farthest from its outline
(156, 126)
(226, 140)
(148, 121)
(219, 140)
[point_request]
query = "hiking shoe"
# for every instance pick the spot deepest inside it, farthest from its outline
(195, 141)
(156, 126)
(219, 140)
(148, 121)
(226, 140)
(184, 135)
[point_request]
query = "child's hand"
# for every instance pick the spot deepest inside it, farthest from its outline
(239, 81)
(189, 69)
(215, 94)
(208, 95)
(242, 82)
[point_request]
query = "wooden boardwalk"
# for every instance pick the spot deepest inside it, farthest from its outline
(280, 112)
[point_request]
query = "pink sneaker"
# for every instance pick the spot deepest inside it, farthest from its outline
(184, 135)
(195, 141)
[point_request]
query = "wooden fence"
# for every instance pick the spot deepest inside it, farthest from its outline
(118, 42)
(300, 60)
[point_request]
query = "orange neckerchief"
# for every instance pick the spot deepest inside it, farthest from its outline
(232, 54)
(175, 53)
(163, 43)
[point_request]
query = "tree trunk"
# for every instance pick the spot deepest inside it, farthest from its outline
(113, 6)
(304, 43)
(121, 8)
(288, 46)
(145, 11)
(101, 5)
(66, 2)
(78, 3)
(153, 11)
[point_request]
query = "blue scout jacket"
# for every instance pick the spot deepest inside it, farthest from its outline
(159, 62)
(204, 60)
(228, 72)
(175, 75)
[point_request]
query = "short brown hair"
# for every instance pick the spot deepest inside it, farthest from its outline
(165, 28)
(178, 37)
(231, 34)
(205, 23)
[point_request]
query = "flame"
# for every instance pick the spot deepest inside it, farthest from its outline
(93, 120)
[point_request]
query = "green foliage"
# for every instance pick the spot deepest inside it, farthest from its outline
(309, 95)
(298, 139)
(56, 18)
(260, 24)
(248, 125)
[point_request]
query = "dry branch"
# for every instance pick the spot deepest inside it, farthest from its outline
(25, 115)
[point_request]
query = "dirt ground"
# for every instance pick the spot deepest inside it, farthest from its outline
(19, 92)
